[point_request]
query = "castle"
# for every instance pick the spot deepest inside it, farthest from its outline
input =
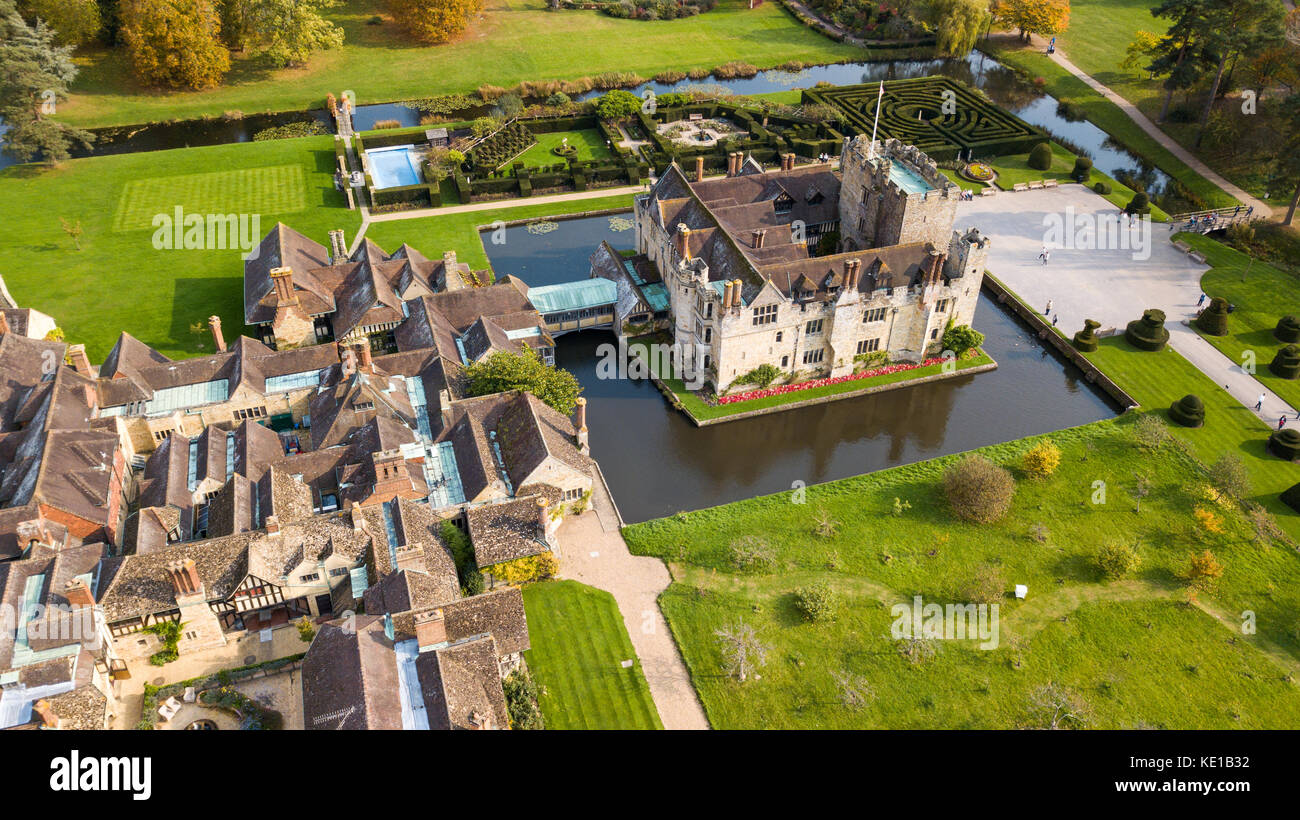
(810, 270)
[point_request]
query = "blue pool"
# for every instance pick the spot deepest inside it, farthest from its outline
(393, 167)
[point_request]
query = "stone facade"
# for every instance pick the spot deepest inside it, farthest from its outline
(745, 289)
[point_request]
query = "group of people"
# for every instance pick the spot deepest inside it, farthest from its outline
(1214, 221)
(823, 157)
(967, 195)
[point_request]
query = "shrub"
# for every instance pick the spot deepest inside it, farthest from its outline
(1117, 559)
(1286, 362)
(1086, 339)
(1214, 319)
(987, 586)
(558, 99)
(1082, 169)
(521, 700)
(1228, 475)
(1288, 329)
(1285, 443)
(763, 375)
(1188, 411)
(618, 105)
(528, 570)
(1208, 520)
(1102, 187)
(978, 490)
(1150, 431)
(1041, 460)
(961, 338)
(306, 631)
(1139, 205)
(1040, 157)
(1203, 571)
(749, 553)
(815, 602)
(1148, 333)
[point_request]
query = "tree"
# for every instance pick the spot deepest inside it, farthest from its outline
(1233, 28)
(1045, 17)
(1117, 559)
(73, 230)
(1141, 489)
(962, 338)
(175, 43)
(1228, 474)
(35, 73)
(288, 31)
(1285, 172)
(434, 21)
(1180, 56)
(742, 652)
(74, 22)
(978, 490)
(618, 105)
(815, 602)
(1057, 707)
(1139, 53)
(504, 371)
(1203, 571)
(957, 24)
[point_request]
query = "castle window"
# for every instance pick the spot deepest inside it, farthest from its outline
(868, 346)
(307, 579)
(813, 356)
(941, 306)
(708, 335)
(813, 327)
(779, 335)
(874, 315)
(934, 334)
(708, 310)
(785, 361)
(765, 315)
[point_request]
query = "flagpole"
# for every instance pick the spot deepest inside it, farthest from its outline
(871, 150)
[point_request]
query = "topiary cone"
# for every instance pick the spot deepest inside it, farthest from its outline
(1288, 329)
(1148, 333)
(1086, 339)
(1188, 411)
(1214, 319)
(1286, 363)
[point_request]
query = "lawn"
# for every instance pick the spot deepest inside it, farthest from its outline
(432, 235)
(579, 644)
(1013, 169)
(1110, 118)
(119, 280)
(1262, 294)
(1133, 650)
(589, 142)
(515, 40)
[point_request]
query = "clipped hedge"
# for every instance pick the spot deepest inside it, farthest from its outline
(1189, 411)
(1148, 333)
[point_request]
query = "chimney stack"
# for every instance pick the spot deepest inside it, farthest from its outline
(338, 247)
(77, 593)
(214, 322)
(787, 162)
(727, 293)
(80, 361)
(348, 359)
(543, 517)
(734, 160)
(363, 355)
(580, 413)
(699, 168)
(4, 320)
(430, 629)
(852, 270)
(735, 293)
(756, 237)
(273, 525)
(282, 278)
(683, 241)
(584, 445)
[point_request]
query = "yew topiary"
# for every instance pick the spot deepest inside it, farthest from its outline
(1040, 157)
(1214, 319)
(1086, 339)
(1285, 443)
(1288, 329)
(1148, 333)
(1286, 363)
(1189, 411)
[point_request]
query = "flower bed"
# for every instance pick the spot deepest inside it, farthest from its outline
(979, 172)
(808, 385)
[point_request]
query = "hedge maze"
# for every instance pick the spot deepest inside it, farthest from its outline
(914, 111)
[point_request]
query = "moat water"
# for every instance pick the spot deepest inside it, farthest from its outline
(657, 462)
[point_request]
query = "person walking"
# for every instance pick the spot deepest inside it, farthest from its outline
(1200, 301)
(1047, 254)
(1259, 405)
(1055, 318)
(1048, 309)
(1281, 422)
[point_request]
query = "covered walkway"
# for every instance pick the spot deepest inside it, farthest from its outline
(574, 306)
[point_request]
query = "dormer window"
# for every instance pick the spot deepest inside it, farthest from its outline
(813, 196)
(783, 204)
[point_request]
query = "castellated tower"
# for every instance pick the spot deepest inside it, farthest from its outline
(893, 196)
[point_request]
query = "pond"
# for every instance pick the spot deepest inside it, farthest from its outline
(1004, 86)
(657, 462)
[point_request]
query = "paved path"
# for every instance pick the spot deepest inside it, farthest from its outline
(592, 551)
(1112, 286)
(1154, 131)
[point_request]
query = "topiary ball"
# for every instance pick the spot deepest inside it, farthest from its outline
(1188, 411)
(1214, 319)
(1291, 497)
(1139, 205)
(1148, 333)
(1082, 169)
(1285, 443)
(1288, 329)
(1102, 187)
(1040, 157)
(1086, 339)
(1286, 363)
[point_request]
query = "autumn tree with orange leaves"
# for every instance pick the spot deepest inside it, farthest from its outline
(1046, 17)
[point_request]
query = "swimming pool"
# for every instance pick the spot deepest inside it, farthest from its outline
(393, 167)
(907, 179)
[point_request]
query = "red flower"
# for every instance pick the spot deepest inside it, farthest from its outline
(808, 385)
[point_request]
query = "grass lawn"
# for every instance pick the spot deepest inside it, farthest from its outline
(515, 40)
(1262, 294)
(589, 142)
(1133, 650)
(1106, 115)
(694, 406)
(1013, 169)
(118, 280)
(432, 235)
(579, 644)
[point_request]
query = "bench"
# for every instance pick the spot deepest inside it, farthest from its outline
(1198, 256)
(1049, 183)
(1020, 186)
(989, 191)
(1182, 246)
(1036, 186)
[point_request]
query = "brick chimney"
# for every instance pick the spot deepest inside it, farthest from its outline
(80, 361)
(683, 241)
(727, 293)
(35, 531)
(338, 247)
(184, 578)
(364, 357)
(273, 525)
(77, 593)
(852, 270)
(543, 517)
(282, 278)
(4, 320)
(44, 712)
(411, 557)
(787, 162)
(214, 322)
(756, 237)
(699, 168)
(580, 413)
(391, 476)
(430, 629)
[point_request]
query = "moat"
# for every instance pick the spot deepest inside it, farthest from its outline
(657, 463)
